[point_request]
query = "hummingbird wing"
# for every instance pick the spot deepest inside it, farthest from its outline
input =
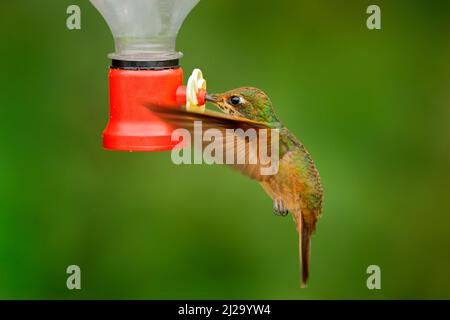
(240, 146)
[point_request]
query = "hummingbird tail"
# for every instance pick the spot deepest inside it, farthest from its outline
(306, 253)
(305, 248)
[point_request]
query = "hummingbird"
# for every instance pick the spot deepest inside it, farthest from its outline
(296, 187)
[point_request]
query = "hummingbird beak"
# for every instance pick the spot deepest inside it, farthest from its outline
(211, 98)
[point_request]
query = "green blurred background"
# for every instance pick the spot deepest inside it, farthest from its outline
(373, 108)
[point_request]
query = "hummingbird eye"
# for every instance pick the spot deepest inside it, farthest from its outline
(235, 100)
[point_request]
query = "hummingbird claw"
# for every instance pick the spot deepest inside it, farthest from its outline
(279, 208)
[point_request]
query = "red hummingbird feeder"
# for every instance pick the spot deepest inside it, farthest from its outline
(145, 71)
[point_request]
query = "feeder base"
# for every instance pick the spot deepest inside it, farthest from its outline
(132, 126)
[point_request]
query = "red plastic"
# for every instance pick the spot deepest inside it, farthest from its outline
(132, 126)
(201, 97)
(181, 95)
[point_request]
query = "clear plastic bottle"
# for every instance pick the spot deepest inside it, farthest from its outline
(144, 30)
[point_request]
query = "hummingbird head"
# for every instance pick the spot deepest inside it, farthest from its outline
(249, 103)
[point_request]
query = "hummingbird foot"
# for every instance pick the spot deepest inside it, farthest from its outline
(279, 209)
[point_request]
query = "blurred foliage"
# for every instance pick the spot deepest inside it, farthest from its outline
(372, 107)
